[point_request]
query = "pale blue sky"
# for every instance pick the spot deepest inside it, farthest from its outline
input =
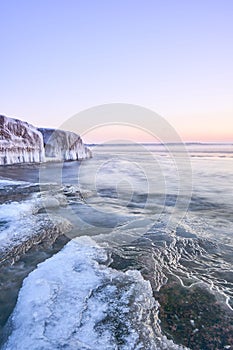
(176, 57)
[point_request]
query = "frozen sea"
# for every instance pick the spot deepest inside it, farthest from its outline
(148, 263)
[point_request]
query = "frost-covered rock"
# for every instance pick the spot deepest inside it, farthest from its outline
(26, 223)
(64, 145)
(20, 142)
(30, 231)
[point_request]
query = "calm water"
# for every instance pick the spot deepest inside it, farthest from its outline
(160, 210)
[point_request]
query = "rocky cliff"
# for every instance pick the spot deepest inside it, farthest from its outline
(21, 142)
(63, 145)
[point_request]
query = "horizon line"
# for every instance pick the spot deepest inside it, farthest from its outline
(162, 143)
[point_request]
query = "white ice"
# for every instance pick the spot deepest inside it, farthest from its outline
(21, 142)
(21, 226)
(75, 301)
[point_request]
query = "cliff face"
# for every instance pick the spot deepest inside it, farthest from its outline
(21, 142)
(63, 145)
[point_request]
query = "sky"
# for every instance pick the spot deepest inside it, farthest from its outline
(175, 57)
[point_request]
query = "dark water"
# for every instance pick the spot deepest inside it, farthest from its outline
(169, 216)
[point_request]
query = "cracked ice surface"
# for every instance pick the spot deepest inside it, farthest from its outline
(75, 301)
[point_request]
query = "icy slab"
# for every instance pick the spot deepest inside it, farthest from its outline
(20, 142)
(22, 225)
(64, 145)
(75, 301)
(24, 233)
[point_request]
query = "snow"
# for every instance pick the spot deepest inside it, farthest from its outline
(75, 301)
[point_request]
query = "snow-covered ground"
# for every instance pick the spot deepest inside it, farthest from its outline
(75, 301)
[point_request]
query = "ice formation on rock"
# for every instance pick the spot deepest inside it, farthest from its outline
(63, 145)
(20, 142)
(22, 225)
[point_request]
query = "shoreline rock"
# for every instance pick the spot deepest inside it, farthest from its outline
(63, 145)
(43, 229)
(22, 143)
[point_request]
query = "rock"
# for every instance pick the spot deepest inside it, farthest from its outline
(64, 145)
(20, 142)
(30, 231)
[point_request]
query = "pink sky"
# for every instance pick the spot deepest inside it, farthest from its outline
(126, 133)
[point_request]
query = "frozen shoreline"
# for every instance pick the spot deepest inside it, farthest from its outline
(123, 294)
(193, 265)
(24, 222)
(75, 300)
(21, 142)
